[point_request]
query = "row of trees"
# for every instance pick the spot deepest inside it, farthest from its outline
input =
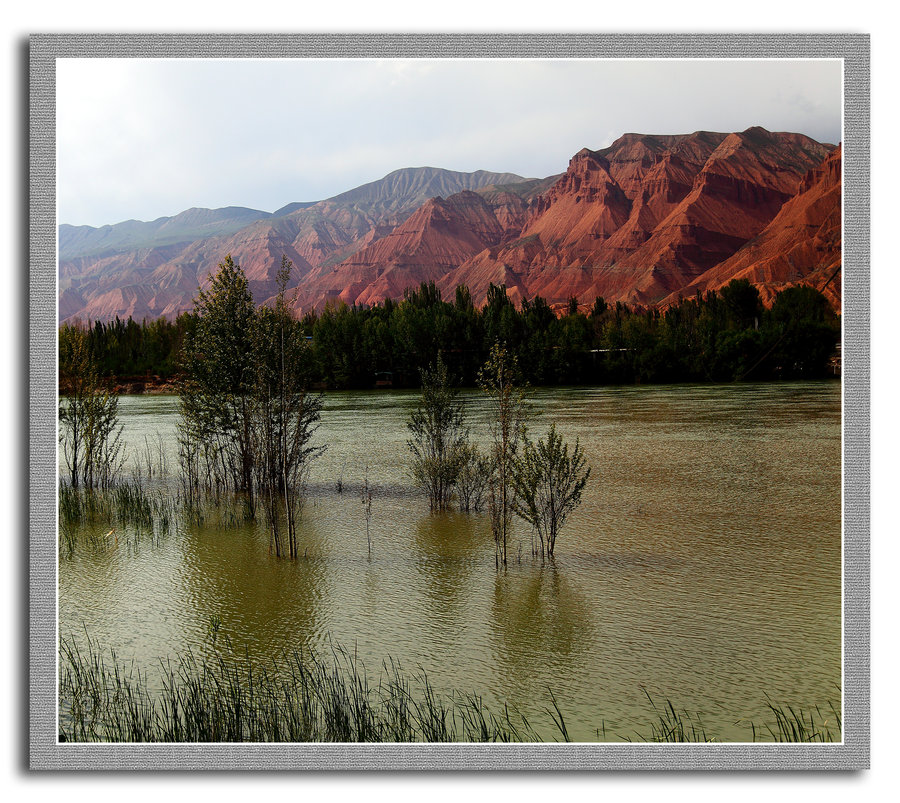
(541, 482)
(129, 349)
(718, 336)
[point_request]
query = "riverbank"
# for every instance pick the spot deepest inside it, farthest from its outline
(150, 385)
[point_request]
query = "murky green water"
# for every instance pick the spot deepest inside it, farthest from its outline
(703, 565)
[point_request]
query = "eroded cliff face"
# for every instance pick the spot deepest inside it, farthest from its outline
(643, 221)
(644, 218)
(802, 243)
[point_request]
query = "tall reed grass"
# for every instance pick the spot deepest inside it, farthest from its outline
(309, 697)
(673, 725)
(799, 725)
(98, 516)
(303, 697)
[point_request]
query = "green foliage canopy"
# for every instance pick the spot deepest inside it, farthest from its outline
(438, 442)
(549, 482)
(718, 336)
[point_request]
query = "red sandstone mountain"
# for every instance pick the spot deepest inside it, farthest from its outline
(432, 242)
(646, 216)
(640, 221)
(802, 244)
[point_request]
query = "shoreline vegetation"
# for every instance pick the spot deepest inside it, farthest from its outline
(308, 697)
(248, 418)
(719, 336)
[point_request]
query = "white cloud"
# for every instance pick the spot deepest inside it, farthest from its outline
(144, 138)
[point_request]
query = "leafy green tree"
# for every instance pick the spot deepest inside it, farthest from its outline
(90, 432)
(467, 348)
(501, 381)
(599, 307)
(216, 394)
(743, 303)
(807, 332)
(439, 438)
(538, 352)
(802, 304)
(571, 348)
(548, 483)
(501, 320)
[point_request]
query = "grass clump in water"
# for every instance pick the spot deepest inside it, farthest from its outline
(100, 515)
(672, 725)
(302, 698)
(799, 725)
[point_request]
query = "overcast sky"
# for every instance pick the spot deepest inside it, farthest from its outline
(147, 138)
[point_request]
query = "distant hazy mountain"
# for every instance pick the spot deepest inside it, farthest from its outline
(131, 235)
(401, 192)
(154, 268)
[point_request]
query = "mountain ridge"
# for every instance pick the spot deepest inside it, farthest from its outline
(186, 226)
(638, 221)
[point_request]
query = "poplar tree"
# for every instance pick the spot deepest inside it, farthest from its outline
(500, 380)
(438, 442)
(216, 396)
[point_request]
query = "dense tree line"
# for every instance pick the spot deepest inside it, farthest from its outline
(120, 348)
(718, 336)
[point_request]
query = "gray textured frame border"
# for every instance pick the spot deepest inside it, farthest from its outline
(45, 753)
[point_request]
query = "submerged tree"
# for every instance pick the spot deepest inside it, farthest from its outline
(89, 417)
(473, 479)
(285, 415)
(438, 437)
(247, 418)
(216, 395)
(499, 378)
(548, 483)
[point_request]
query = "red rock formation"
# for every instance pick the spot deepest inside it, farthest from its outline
(802, 244)
(640, 221)
(646, 216)
(436, 239)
